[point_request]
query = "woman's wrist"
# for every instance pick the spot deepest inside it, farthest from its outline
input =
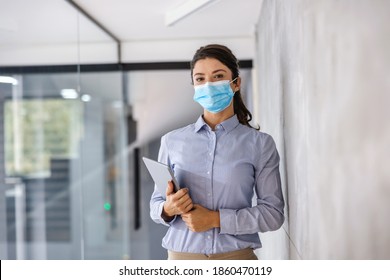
(216, 219)
(165, 216)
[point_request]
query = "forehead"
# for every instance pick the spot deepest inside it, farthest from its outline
(209, 65)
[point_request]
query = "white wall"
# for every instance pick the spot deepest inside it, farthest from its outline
(323, 77)
(161, 101)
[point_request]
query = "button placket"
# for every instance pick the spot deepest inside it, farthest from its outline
(209, 191)
(210, 169)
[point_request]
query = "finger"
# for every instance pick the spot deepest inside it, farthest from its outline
(178, 202)
(169, 188)
(184, 199)
(181, 193)
(184, 209)
(188, 205)
(184, 217)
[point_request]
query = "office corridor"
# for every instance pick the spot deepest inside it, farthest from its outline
(78, 112)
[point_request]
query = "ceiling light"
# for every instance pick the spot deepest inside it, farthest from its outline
(86, 97)
(69, 93)
(187, 8)
(8, 80)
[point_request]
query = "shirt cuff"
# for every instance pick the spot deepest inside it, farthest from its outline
(160, 211)
(227, 221)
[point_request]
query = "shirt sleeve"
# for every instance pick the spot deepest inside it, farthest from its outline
(157, 200)
(268, 214)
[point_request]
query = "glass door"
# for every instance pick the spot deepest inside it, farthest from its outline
(64, 185)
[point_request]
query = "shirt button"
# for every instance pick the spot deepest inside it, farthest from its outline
(209, 194)
(208, 172)
(209, 237)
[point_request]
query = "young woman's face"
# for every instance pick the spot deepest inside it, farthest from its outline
(211, 70)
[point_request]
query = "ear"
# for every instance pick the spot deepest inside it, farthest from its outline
(237, 84)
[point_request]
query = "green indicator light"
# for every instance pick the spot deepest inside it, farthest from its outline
(107, 206)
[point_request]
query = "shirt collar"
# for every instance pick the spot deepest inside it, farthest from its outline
(200, 123)
(227, 125)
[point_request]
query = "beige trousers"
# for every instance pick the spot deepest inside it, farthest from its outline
(245, 254)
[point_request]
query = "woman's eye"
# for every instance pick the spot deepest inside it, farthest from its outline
(199, 79)
(218, 76)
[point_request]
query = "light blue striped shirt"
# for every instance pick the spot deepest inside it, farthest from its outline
(222, 169)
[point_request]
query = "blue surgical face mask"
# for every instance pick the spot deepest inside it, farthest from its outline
(214, 96)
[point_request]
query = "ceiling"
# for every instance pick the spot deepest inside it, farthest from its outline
(26, 23)
(53, 32)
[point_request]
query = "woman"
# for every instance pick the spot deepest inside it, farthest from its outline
(219, 162)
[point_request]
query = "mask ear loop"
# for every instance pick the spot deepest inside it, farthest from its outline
(234, 79)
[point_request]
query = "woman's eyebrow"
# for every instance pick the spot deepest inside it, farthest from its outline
(215, 71)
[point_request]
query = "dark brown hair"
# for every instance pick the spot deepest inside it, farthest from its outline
(226, 57)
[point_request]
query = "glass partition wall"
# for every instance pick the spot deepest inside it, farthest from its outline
(64, 162)
(64, 167)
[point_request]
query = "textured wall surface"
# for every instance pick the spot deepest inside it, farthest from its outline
(323, 93)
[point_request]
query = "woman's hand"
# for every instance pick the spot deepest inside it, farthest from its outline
(201, 219)
(176, 203)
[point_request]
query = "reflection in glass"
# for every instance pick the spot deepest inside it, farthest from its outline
(47, 129)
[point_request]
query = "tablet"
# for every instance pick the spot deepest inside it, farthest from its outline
(161, 174)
